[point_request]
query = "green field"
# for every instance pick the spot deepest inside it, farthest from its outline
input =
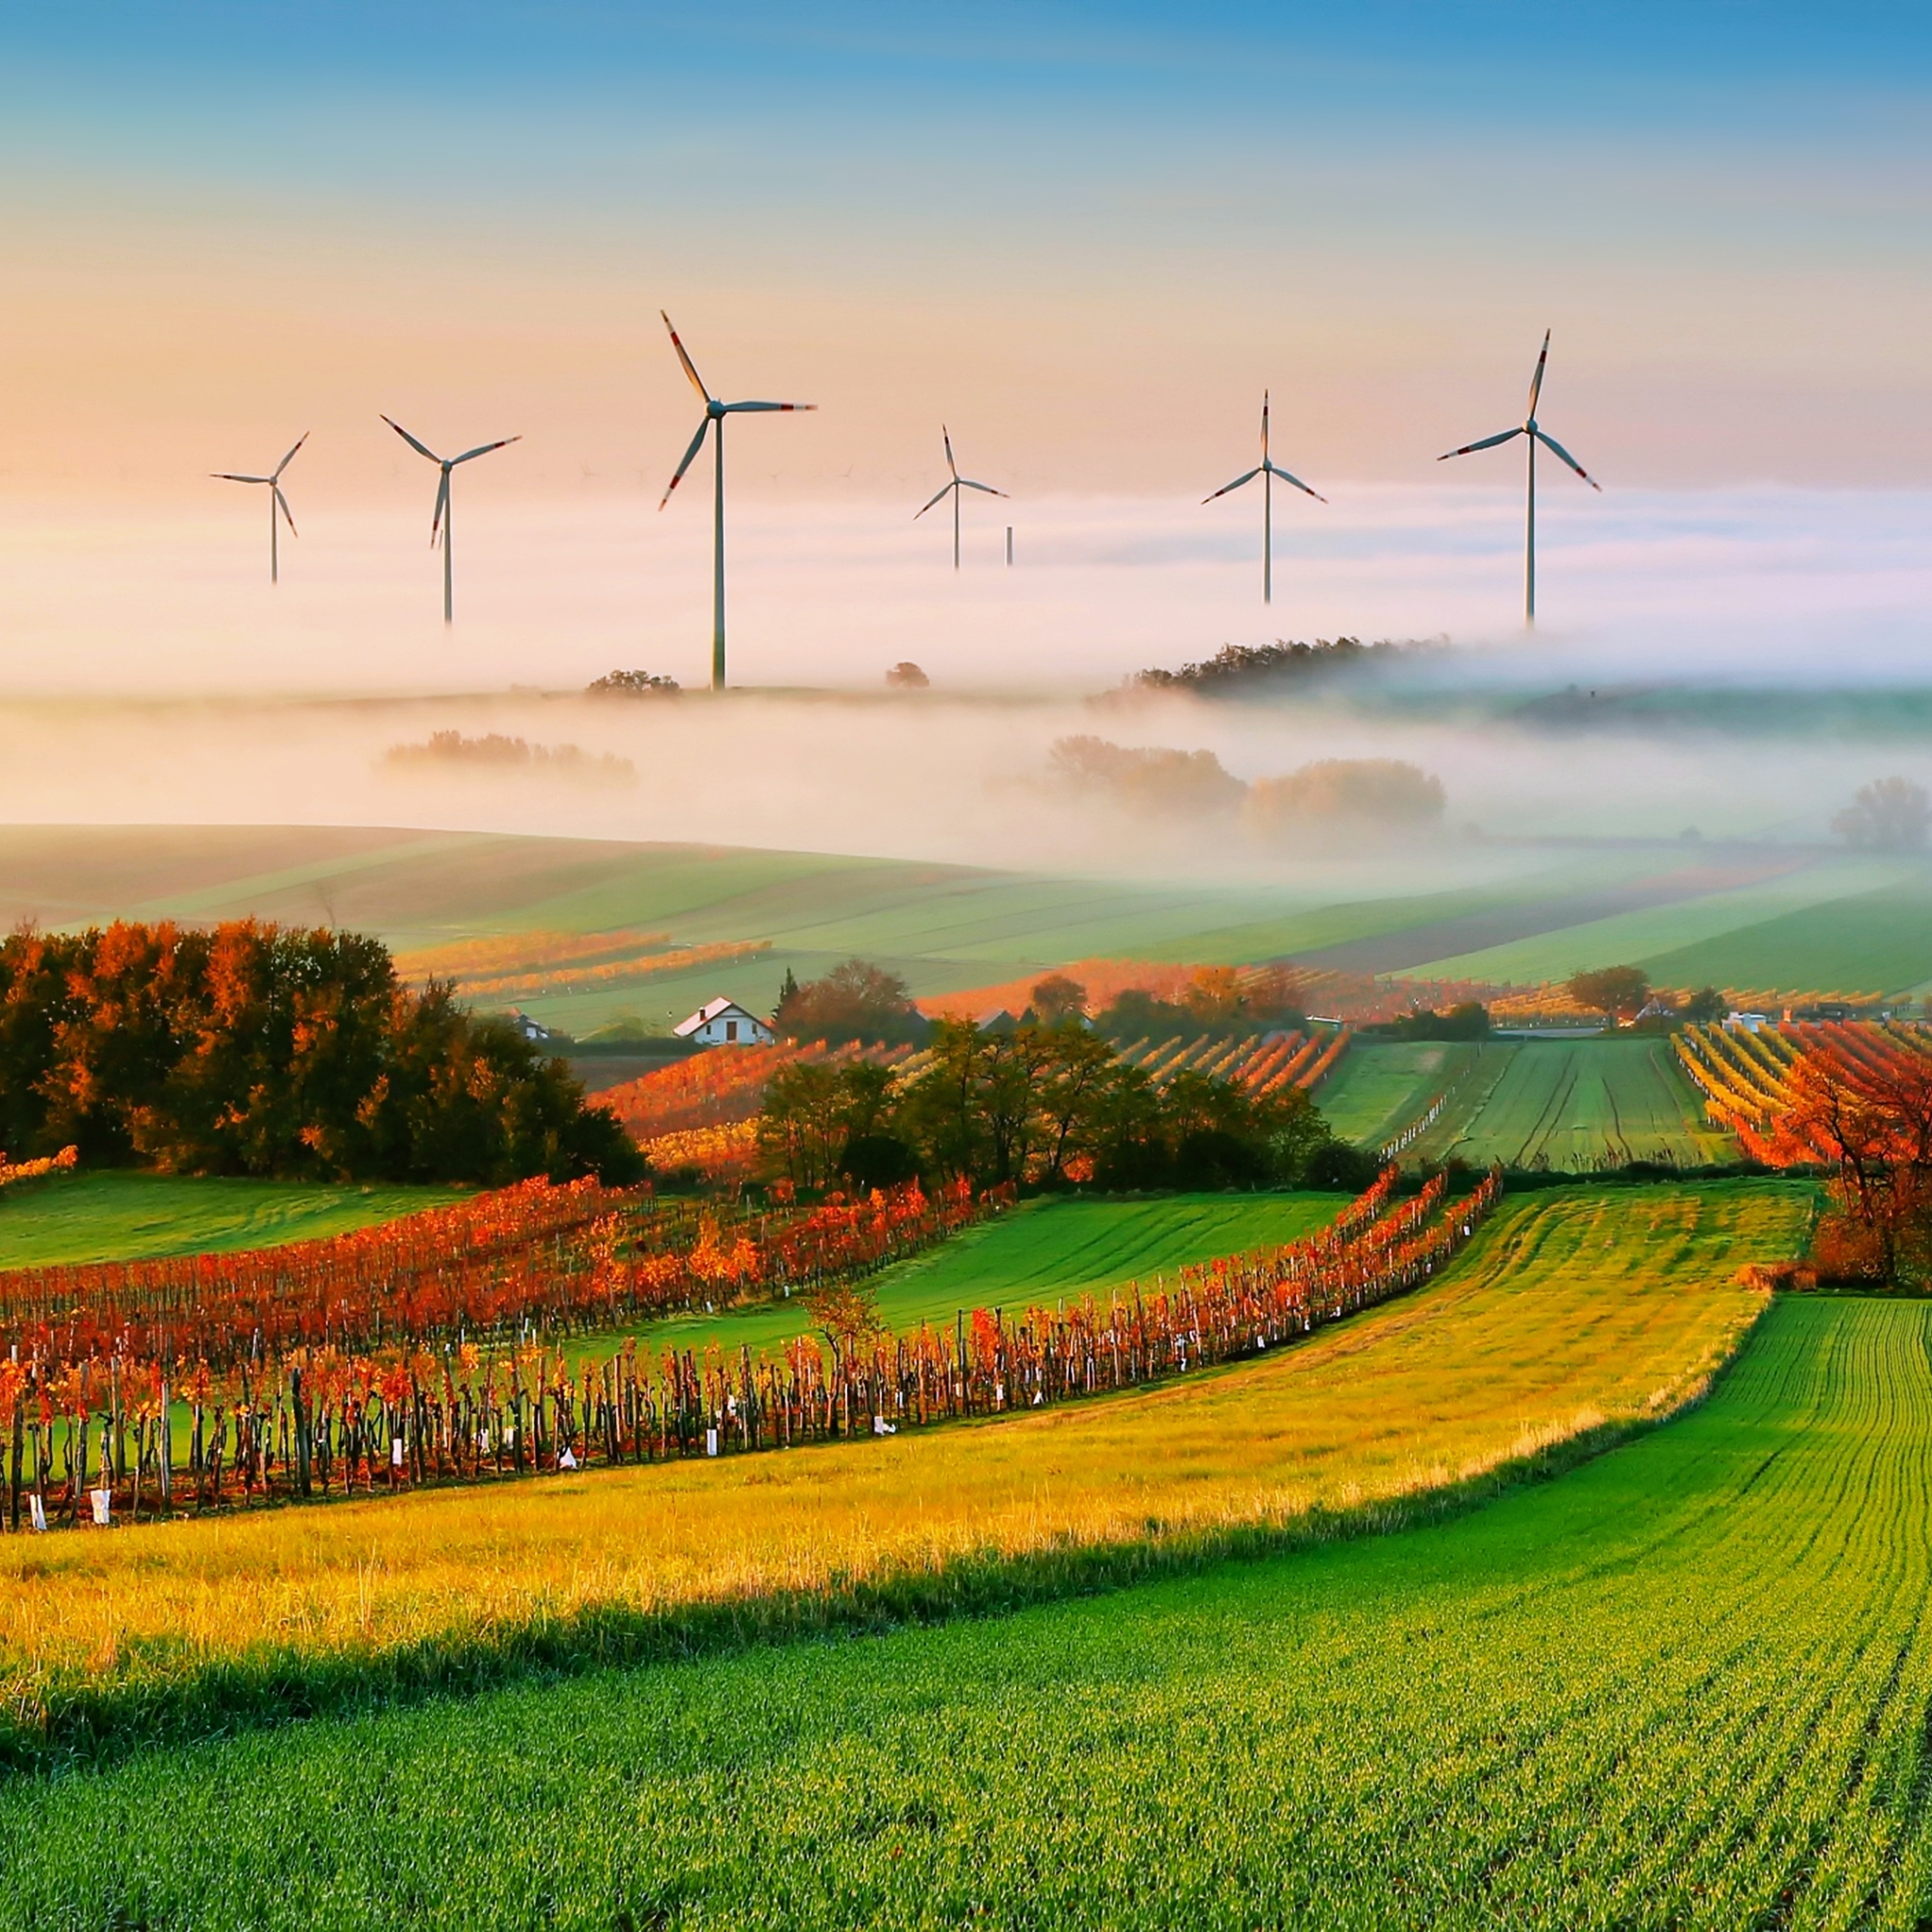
(1743, 916)
(1686, 1685)
(1381, 1085)
(118, 1216)
(1572, 1105)
(1709, 938)
(1040, 1253)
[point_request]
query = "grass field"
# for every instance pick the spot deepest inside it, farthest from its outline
(118, 1217)
(1036, 1254)
(1381, 1085)
(1570, 1310)
(1810, 897)
(1684, 1686)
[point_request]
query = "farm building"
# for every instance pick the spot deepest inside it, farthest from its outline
(724, 1022)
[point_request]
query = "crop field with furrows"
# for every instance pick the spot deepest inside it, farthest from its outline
(120, 1216)
(1542, 1332)
(1575, 1104)
(1685, 1683)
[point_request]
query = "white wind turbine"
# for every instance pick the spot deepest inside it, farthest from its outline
(958, 484)
(715, 413)
(1267, 469)
(1536, 434)
(438, 523)
(278, 505)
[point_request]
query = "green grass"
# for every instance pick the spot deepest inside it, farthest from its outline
(1878, 942)
(113, 1216)
(1042, 1251)
(1575, 1104)
(1685, 1686)
(1381, 1085)
(1810, 896)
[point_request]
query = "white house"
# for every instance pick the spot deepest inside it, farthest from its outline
(531, 1029)
(724, 1022)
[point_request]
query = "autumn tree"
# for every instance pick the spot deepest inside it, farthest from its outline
(856, 1000)
(1058, 999)
(1616, 991)
(1873, 1126)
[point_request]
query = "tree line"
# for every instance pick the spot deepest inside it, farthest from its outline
(1045, 1104)
(252, 1049)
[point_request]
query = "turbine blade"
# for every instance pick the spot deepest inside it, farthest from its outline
(290, 457)
(1556, 448)
(939, 496)
(1264, 429)
(1246, 477)
(483, 449)
(230, 477)
(422, 449)
(1276, 470)
(1536, 381)
(689, 367)
(1487, 442)
(288, 515)
(442, 505)
(947, 437)
(736, 409)
(967, 483)
(690, 456)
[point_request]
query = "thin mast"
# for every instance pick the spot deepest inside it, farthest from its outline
(718, 563)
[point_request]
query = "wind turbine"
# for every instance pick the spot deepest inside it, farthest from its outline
(1535, 435)
(439, 524)
(1267, 470)
(276, 502)
(715, 413)
(958, 484)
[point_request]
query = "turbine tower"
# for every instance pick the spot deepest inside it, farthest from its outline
(958, 484)
(715, 413)
(277, 504)
(1536, 434)
(439, 524)
(1267, 469)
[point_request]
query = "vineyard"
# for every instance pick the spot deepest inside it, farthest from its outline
(524, 964)
(1746, 1077)
(305, 1398)
(1263, 1063)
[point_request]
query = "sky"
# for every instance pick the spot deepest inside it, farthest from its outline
(1084, 237)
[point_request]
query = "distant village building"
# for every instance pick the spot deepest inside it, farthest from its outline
(724, 1022)
(532, 1030)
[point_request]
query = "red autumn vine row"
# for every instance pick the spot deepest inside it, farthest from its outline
(322, 1420)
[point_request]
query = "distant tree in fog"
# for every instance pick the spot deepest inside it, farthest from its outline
(1889, 815)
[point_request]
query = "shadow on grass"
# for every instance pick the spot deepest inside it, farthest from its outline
(167, 1697)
